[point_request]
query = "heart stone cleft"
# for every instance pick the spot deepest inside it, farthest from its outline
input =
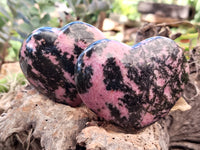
(131, 86)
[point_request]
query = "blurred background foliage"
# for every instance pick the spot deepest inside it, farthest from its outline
(18, 18)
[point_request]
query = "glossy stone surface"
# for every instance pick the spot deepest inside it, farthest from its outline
(131, 86)
(48, 56)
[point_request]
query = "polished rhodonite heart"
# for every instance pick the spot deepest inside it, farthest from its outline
(48, 56)
(131, 86)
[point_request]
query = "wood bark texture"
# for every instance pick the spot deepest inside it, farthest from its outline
(30, 120)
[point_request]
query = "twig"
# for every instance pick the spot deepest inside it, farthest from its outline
(5, 47)
(28, 140)
(175, 23)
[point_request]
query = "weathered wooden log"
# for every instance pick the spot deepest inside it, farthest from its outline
(33, 117)
(166, 10)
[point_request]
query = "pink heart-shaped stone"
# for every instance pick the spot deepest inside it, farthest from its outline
(131, 86)
(48, 56)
